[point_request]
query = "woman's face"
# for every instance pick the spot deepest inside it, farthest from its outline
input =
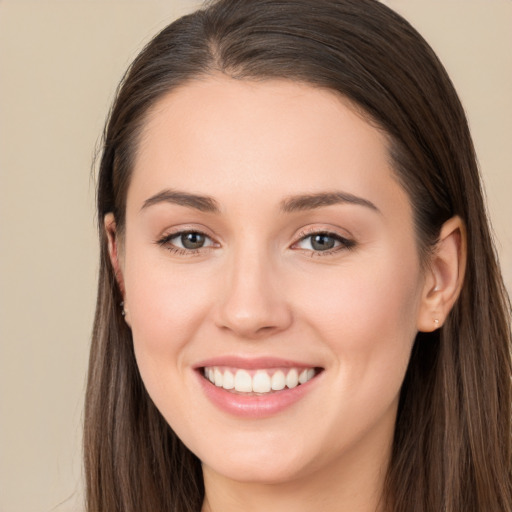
(268, 245)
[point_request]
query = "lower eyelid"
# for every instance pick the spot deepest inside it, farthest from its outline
(186, 252)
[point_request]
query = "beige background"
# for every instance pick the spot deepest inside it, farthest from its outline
(59, 64)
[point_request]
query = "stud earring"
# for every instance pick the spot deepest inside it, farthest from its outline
(436, 321)
(123, 311)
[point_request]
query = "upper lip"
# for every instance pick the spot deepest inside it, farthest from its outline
(252, 363)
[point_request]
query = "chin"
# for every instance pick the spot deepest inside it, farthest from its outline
(270, 472)
(265, 462)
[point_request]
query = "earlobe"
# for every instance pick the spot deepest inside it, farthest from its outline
(444, 276)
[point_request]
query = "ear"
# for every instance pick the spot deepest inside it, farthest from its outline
(113, 249)
(444, 276)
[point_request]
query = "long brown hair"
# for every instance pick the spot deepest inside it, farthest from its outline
(452, 445)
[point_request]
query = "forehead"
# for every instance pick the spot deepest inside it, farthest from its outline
(262, 140)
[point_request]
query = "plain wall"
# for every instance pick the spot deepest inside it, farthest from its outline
(60, 62)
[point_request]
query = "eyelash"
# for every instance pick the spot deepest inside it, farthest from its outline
(344, 243)
(165, 242)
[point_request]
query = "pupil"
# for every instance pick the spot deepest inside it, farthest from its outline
(192, 240)
(322, 242)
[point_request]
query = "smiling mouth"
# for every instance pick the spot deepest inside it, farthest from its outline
(260, 381)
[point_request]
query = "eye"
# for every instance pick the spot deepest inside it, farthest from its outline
(324, 242)
(187, 241)
(191, 240)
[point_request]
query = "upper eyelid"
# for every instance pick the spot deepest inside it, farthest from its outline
(330, 231)
(323, 233)
(171, 233)
(183, 232)
(336, 236)
(180, 233)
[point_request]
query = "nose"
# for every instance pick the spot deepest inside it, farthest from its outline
(252, 299)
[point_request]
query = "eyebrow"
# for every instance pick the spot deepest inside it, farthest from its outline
(322, 199)
(198, 202)
(289, 205)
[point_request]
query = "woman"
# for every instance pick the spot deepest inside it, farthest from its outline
(299, 304)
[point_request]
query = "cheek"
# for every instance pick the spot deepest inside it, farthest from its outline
(368, 320)
(367, 315)
(166, 307)
(363, 297)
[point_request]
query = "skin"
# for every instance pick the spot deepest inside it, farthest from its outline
(259, 288)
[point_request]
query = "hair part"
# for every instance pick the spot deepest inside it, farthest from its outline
(452, 447)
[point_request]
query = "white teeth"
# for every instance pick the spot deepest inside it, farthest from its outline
(243, 381)
(228, 381)
(292, 379)
(217, 375)
(303, 377)
(278, 381)
(261, 381)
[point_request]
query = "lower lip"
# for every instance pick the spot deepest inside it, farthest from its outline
(255, 406)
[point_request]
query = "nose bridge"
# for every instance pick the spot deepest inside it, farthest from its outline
(252, 301)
